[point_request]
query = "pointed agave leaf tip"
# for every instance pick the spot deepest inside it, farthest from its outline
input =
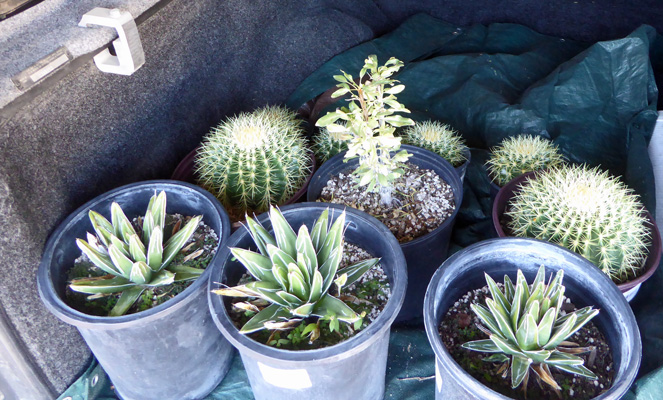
(305, 248)
(178, 240)
(158, 209)
(283, 233)
(122, 227)
(155, 249)
(101, 260)
(102, 227)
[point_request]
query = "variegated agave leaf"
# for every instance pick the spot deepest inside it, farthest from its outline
(134, 262)
(293, 272)
(525, 325)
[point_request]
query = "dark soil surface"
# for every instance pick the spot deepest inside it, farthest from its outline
(369, 295)
(422, 201)
(459, 326)
(203, 238)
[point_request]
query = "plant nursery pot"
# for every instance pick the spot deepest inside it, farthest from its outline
(352, 369)
(172, 351)
(630, 288)
(461, 169)
(585, 285)
(185, 173)
(423, 254)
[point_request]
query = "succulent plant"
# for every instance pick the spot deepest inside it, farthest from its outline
(134, 261)
(254, 159)
(327, 144)
(294, 272)
(527, 330)
(439, 138)
(521, 154)
(371, 120)
(587, 211)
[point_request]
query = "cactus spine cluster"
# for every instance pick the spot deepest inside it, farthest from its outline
(439, 138)
(587, 211)
(252, 160)
(326, 144)
(521, 154)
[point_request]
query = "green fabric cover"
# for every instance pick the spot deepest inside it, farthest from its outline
(596, 101)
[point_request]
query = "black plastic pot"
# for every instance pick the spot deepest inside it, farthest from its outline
(423, 254)
(461, 169)
(353, 369)
(585, 285)
(630, 288)
(172, 351)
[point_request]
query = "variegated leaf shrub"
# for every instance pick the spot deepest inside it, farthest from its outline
(368, 124)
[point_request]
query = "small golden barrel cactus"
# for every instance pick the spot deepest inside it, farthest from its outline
(518, 155)
(587, 211)
(439, 138)
(327, 144)
(254, 159)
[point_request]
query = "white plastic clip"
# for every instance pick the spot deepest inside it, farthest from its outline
(129, 50)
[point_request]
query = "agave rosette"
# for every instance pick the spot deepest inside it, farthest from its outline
(134, 262)
(294, 272)
(527, 330)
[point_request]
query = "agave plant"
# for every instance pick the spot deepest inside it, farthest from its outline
(294, 272)
(527, 331)
(134, 262)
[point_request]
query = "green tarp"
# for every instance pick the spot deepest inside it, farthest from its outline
(596, 101)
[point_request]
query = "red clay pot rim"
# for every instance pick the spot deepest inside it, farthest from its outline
(651, 263)
(184, 172)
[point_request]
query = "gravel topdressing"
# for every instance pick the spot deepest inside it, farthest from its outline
(422, 201)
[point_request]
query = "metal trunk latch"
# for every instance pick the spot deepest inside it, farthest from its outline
(129, 50)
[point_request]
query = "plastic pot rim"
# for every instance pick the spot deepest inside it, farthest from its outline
(434, 157)
(64, 312)
(482, 391)
(329, 354)
(651, 262)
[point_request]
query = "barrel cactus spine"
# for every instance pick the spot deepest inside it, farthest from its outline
(518, 155)
(439, 138)
(255, 159)
(587, 211)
